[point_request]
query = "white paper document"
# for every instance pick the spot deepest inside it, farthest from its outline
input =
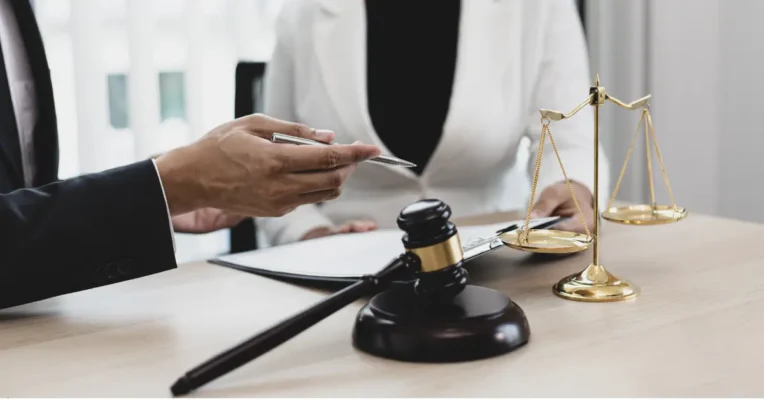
(348, 256)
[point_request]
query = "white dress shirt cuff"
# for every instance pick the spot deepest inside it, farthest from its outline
(169, 218)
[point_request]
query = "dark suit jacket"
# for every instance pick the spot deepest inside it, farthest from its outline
(76, 234)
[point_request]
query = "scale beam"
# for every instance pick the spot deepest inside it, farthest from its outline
(634, 105)
(553, 115)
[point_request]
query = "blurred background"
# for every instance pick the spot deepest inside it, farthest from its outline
(133, 78)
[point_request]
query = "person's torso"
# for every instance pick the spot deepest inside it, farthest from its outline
(21, 86)
(489, 106)
(410, 73)
(28, 136)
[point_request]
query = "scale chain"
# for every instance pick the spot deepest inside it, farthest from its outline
(660, 159)
(539, 153)
(649, 159)
(626, 162)
(570, 187)
(545, 130)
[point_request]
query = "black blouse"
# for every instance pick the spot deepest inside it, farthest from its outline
(411, 60)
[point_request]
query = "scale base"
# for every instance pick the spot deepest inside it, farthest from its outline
(595, 284)
(478, 323)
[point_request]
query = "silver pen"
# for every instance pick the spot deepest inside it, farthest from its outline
(383, 159)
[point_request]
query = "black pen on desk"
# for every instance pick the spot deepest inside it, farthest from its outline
(383, 159)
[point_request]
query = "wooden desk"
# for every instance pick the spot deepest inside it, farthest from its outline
(696, 330)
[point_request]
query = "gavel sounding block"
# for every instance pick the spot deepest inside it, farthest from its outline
(477, 323)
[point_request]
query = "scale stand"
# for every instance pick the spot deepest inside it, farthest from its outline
(595, 283)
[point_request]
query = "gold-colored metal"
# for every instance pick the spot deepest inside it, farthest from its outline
(660, 159)
(644, 214)
(649, 160)
(634, 105)
(536, 170)
(558, 116)
(596, 251)
(625, 163)
(598, 95)
(440, 255)
(547, 241)
(595, 284)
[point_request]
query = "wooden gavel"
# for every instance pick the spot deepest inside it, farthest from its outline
(404, 323)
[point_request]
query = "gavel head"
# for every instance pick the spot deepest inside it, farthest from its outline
(434, 240)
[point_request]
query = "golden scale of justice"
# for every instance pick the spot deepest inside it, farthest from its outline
(595, 283)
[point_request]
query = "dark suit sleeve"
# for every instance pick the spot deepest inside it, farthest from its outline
(82, 233)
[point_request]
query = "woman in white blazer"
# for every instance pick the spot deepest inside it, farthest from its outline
(453, 85)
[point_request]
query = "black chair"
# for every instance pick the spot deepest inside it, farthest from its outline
(249, 100)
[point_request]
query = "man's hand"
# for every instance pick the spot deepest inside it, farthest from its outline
(556, 200)
(348, 227)
(205, 220)
(236, 168)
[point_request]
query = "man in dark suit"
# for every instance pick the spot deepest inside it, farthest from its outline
(58, 237)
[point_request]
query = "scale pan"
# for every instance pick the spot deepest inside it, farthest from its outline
(644, 214)
(547, 241)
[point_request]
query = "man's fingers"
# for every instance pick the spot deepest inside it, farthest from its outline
(317, 197)
(308, 182)
(229, 220)
(315, 158)
(264, 126)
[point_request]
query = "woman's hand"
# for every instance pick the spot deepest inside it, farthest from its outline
(348, 227)
(556, 200)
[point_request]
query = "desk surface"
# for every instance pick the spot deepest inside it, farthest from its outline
(696, 330)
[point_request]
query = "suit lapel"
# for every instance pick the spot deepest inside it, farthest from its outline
(485, 40)
(45, 132)
(10, 149)
(340, 41)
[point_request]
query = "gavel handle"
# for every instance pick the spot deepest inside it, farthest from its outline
(287, 329)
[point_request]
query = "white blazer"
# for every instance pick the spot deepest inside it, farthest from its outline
(514, 57)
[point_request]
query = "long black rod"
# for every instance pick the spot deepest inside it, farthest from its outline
(266, 341)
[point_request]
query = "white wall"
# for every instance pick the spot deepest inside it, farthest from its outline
(685, 72)
(86, 40)
(702, 61)
(740, 101)
(705, 69)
